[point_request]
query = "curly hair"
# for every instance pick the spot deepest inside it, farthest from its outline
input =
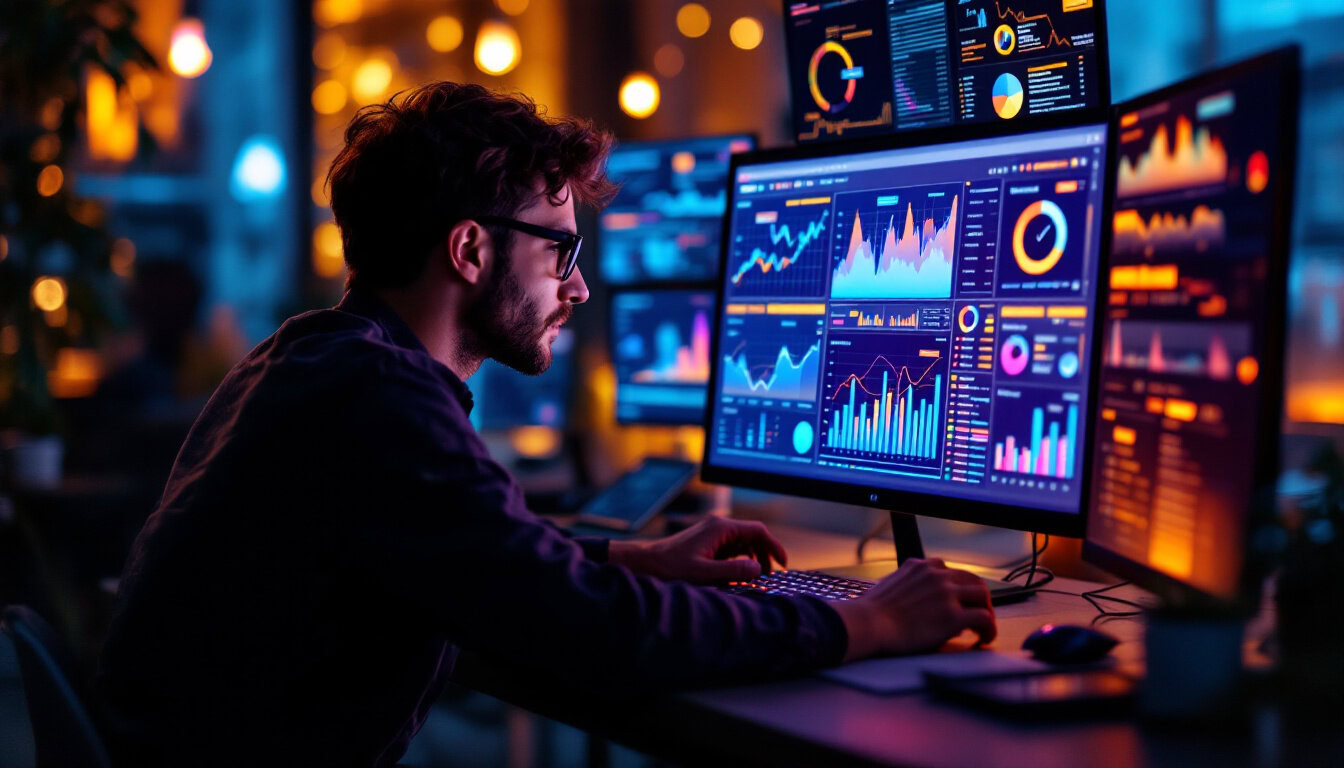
(416, 165)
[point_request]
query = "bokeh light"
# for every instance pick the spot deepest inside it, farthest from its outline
(259, 170)
(371, 80)
(49, 293)
(497, 48)
(329, 50)
(49, 181)
(122, 259)
(329, 13)
(329, 97)
(45, 148)
(188, 54)
(746, 33)
(639, 95)
(693, 20)
(669, 60)
(328, 253)
(319, 191)
(444, 34)
(511, 7)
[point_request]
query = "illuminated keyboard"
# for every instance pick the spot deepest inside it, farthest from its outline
(812, 583)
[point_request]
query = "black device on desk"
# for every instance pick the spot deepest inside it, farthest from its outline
(908, 323)
(640, 494)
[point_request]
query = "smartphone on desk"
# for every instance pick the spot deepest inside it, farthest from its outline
(1053, 693)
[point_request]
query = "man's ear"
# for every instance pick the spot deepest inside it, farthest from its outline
(469, 250)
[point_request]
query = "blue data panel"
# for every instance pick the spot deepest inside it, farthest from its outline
(915, 319)
(665, 222)
(661, 342)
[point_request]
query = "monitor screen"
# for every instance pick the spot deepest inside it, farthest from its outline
(865, 67)
(1190, 379)
(665, 222)
(912, 327)
(660, 347)
(505, 398)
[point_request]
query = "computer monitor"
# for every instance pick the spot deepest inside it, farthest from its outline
(665, 222)
(505, 398)
(909, 325)
(865, 67)
(660, 342)
(1191, 379)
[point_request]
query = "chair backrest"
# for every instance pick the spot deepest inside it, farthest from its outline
(62, 729)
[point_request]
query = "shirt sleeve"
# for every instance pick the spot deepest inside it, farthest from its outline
(452, 535)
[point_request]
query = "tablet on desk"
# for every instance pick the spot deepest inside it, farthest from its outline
(634, 499)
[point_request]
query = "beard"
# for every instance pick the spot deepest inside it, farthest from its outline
(508, 324)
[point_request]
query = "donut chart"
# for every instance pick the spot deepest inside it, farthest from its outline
(1007, 96)
(968, 318)
(1039, 231)
(1014, 355)
(1005, 40)
(1068, 365)
(830, 46)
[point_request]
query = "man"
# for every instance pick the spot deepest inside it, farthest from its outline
(334, 531)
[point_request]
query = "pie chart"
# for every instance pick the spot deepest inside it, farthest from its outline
(1007, 96)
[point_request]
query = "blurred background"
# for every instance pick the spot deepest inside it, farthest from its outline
(162, 210)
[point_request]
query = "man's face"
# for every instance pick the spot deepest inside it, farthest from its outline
(524, 303)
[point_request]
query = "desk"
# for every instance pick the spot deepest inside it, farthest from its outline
(811, 721)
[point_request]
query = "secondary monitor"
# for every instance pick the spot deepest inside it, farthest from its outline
(505, 398)
(660, 347)
(866, 67)
(1191, 378)
(911, 327)
(665, 221)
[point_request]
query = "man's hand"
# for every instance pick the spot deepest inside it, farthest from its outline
(918, 608)
(715, 550)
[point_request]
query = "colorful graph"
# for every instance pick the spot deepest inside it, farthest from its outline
(914, 261)
(1049, 452)
(1042, 41)
(1014, 355)
(1186, 348)
(847, 74)
(975, 19)
(1007, 96)
(675, 362)
(1042, 222)
(788, 377)
(1164, 231)
(889, 410)
(785, 245)
(910, 320)
(1197, 158)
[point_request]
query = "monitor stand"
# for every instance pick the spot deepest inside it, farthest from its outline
(905, 535)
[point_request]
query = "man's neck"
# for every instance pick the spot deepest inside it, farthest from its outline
(435, 321)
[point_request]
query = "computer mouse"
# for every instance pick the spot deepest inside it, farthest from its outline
(1069, 644)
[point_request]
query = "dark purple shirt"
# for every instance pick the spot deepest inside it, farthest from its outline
(333, 532)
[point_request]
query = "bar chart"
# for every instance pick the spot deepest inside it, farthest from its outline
(1047, 450)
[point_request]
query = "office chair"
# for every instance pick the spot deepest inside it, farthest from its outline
(62, 730)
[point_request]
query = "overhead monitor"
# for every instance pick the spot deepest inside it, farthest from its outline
(867, 67)
(911, 327)
(505, 398)
(660, 342)
(1191, 377)
(664, 224)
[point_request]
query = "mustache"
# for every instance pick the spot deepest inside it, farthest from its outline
(560, 316)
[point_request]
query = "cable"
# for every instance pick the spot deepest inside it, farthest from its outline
(1094, 595)
(1033, 568)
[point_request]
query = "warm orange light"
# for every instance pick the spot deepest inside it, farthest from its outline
(188, 54)
(45, 148)
(1316, 402)
(52, 111)
(329, 50)
(535, 441)
(4, 247)
(444, 34)
(1181, 410)
(49, 293)
(49, 181)
(669, 60)
(9, 340)
(110, 117)
(122, 259)
(329, 97)
(693, 20)
(512, 7)
(329, 13)
(319, 192)
(497, 48)
(683, 162)
(746, 33)
(328, 252)
(639, 95)
(371, 79)
(1248, 368)
(76, 374)
(140, 85)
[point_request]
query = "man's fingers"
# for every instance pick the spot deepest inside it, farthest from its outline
(760, 542)
(972, 595)
(718, 571)
(981, 622)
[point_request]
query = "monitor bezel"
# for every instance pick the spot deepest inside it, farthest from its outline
(1024, 125)
(1287, 61)
(1067, 524)
(616, 291)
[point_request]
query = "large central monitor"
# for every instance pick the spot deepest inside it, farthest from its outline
(911, 327)
(865, 67)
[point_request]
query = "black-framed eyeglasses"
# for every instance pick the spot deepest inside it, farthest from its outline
(569, 242)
